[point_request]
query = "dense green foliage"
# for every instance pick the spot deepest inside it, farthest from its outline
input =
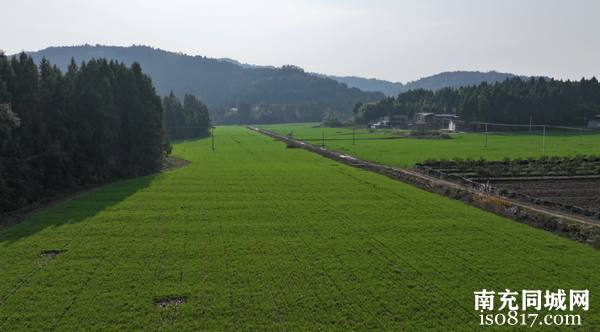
(58, 131)
(188, 121)
(519, 167)
(407, 152)
(257, 237)
(286, 94)
(331, 121)
(512, 101)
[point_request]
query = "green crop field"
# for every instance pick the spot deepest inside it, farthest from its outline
(256, 237)
(407, 152)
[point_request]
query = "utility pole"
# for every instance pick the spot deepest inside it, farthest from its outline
(530, 123)
(584, 125)
(212, 134)
(544, 142)
(486, 135)
(353, 128)
(323, 139)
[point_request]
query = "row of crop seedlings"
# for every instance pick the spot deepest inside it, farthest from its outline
(313, 247)
(420, 234)
(420, 272)
(370, 281)
(412, 276)
(72, 281)
(377, 295)
(310, 236)
(544, 166)
(353, 272)
(175, 260)
(301, 290)
(206, 266)
(307, 295)
(228, 293)
(276, 287)
(106, 289)
(460, 258)
(138, 265)
(40, 252)
(297, 275)
(294, 276)
(378, 281)
(255, 300)
(33, 286)
(195, 274)
(252, 301)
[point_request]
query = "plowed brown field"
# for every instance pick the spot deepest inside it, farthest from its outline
(583, 193)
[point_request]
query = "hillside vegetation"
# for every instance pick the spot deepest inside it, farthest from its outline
(455, 79)
(286, 94)
(254, 236)
(512, 101)
(97, 122)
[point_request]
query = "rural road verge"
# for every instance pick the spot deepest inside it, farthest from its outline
(576, 227)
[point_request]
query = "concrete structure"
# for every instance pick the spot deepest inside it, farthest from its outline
(434, 120)
(394, 121)
(594, 121)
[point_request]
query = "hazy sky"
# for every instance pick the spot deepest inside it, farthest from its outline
(394, 40)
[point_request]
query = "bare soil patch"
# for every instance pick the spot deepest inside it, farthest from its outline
(167, 301)
(46, 256)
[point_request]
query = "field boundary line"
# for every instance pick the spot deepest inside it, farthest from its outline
(502, 192)
(10, 219)
(580, 228)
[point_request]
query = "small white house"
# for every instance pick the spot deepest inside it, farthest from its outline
(377, 125)
(594, 121)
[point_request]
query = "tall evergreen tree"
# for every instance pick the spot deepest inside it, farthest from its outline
(97, 122)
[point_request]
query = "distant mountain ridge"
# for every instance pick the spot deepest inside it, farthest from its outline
(436, 82)
(282, 94)
(245, 65)
(210, 79)
(455, 79)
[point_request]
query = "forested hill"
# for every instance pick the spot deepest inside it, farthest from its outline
(512, 101)
(223, 85)
(436, 82)
(60, 131)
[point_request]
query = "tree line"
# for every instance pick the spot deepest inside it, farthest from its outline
(190, 120)
(512, 101)
(288, 94)
(96, 122)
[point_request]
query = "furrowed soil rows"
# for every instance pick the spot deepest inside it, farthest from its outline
(256, 237)
(583, 193)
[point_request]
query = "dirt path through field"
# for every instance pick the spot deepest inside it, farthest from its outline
(356, 162)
